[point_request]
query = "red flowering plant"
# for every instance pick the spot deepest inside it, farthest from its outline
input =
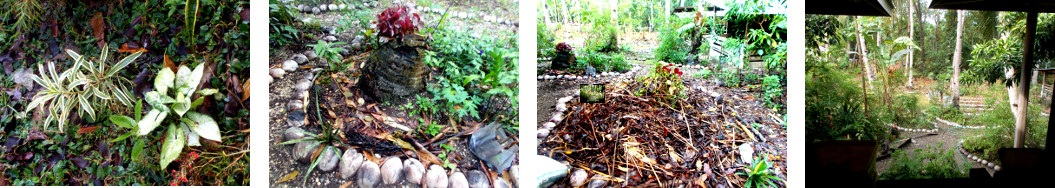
(664, 82)
(181, 175)
(397, 22)
(563, 48)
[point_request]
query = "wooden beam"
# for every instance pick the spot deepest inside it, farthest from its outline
(1024, 80)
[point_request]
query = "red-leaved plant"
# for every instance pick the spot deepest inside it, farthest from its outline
(397, 22)
(563, 48)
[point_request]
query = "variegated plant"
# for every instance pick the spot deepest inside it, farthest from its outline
(171, 99)
(87, 85)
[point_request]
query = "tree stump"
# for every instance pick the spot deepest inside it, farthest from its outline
(563, 60)
(396, 69)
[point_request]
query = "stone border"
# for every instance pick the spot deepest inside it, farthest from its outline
(578, 77)
(557, 117)
(322, 8)
(352, 164)
(954, 124)
(915, 130)
(975, 158)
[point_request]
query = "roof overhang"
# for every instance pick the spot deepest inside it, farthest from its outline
(997, 5)
(850, 7)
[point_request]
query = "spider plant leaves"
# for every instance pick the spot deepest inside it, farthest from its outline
(205, 126)
(152, 120)
(123, 63)
(164, 81)
(86, 106)
(173, 145)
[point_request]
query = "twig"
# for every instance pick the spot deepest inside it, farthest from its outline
(748, 132)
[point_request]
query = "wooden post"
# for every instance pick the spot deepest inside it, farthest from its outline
(1024, 80)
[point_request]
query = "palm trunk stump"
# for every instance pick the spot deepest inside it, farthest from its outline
(396, 69)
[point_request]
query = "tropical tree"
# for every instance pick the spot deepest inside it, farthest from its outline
(956, 58)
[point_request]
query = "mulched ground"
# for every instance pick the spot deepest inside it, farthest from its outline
(643, 142)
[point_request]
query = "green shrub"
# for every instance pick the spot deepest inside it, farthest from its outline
(171, 104)
(930, 163)
(544, 38)
(834, 106)
(773, 91)
(602, 62)
(672, 47)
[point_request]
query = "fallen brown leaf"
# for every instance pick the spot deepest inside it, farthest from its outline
(131, 49)
(167, 63)
(245, 90)
(98, 27)
(86, 129)
(288, 177)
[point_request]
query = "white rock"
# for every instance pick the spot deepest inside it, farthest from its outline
(369, 175)
(746, 152)
(334, 7)
(289, 65)
(543, 133)
(538, 78)
(304, 153)
(296, 105)
(997, 168)
(436, 177)
(308, 54)
(293, 133)
(578, 178)
(549, 125)
(278, 72)
(302, 85)
(557, 117)
(391, 170)
(477, 179)
(457, 180)
(350, 163)
(315, 10)
(342, 6)
(413, 171)
(329, 158)
(500, 183)
(515, 172)
(300, 58)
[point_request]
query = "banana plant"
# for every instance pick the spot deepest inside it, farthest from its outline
(171, 104)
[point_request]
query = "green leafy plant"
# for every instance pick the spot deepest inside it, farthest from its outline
(281, 28)
(25, 12)
(759, 173)
(664, 83)
(130, 123)
(330, 53)
(773, 91)
(672, 48)
(443, 156)
(87, 85)
(171, 104)
(932, 162)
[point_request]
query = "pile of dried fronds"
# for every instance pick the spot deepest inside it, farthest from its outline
(644, 141)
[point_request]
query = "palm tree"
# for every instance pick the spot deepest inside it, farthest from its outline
(956, 58)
